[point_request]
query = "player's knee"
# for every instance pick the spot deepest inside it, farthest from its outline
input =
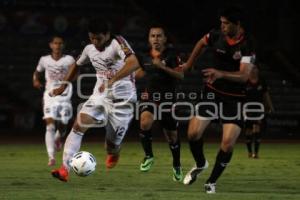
(78, 128)
(227, 145)
(193, 134)
(145, 124)
(171, 137)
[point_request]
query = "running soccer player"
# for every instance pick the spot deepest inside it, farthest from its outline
(256, 91)
(230, 59)
(57, 110)
(160, 67)
(109, 105)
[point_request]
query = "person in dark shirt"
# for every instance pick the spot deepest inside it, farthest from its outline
(231, 57)
(160, 71)
(256, 91)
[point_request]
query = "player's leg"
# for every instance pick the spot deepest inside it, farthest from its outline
(174, 145)
(146, 122)
(59, 134)
(50, 140)
(249, 137)
(119, 119)
(230, 134)
(197, 125)
(169, 125)
(257, 138)
(72, 144)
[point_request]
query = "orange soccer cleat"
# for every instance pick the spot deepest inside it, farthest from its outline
(61, 173)
(111, 160)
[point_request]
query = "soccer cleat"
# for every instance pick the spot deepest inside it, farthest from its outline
(61, 173)
(177, 174)
(191, 176)
(111, 160)
(210, 188)
(249, 155)
(146, 164)
(255, 155)
(58, 144)
(51, 162)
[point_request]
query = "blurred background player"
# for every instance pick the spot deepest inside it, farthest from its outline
(114, 62)
(231, 58)
(57, 110)
(256, 91)
(160, 70)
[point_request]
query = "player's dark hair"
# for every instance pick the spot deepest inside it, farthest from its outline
(158, 25)
(98, 25)
(51, 38)
(233, 14)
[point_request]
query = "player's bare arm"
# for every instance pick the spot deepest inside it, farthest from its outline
(195, 54)
(268, 102)
(36, 80)
(131, 65)
(173, 72)
(140, 73)
(242, 75)
(73, 69)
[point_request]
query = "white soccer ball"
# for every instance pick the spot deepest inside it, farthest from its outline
(83, 163)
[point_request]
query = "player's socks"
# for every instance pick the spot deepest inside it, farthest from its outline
(49, 139)
(222, 160)
(197, 151)
(72, 146)
(175, 149)
(58, 141)
(257, 140)
(146, 140)
(249, 144)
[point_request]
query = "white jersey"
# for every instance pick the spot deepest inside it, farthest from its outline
(58, 107)
(55, 70)
(109, 61)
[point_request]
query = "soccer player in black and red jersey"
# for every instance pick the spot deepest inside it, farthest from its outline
(230, 58)
(160, 70)
(256, 91)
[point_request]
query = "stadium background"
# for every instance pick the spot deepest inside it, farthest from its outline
(25, 27)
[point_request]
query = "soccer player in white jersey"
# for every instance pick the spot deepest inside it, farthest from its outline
(114, 62)
(57, 110)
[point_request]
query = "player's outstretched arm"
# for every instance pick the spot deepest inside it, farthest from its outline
(36, 80)
(268, 102)
(195, 54)
(242, 75)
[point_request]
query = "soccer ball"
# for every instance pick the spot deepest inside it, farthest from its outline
(83, 163)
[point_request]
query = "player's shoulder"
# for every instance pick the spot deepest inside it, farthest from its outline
(47, 56)
(68, 58)
(213, 35)
(89, 47)
(119, 39)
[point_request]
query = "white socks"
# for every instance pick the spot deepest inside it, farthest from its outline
(49, 139)
(72, 146)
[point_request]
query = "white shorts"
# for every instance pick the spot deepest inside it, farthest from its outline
(110, 112)
(57, 108)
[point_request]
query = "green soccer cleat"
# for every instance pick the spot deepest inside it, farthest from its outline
(177, 174)
(146, 164)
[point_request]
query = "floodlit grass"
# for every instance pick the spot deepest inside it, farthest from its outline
(24, 174)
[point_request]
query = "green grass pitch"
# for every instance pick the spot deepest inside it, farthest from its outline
(24, 174)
